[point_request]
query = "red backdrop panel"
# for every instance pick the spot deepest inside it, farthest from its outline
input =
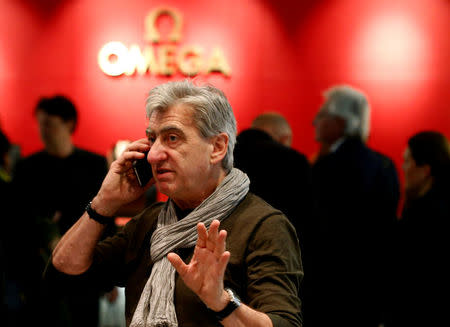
(282, 54)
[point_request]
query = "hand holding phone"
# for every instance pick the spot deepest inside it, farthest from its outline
(143, 170)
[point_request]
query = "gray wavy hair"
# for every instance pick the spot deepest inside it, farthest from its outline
(211, 110)
(351, 105)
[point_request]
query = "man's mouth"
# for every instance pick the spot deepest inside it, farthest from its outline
(161, 171)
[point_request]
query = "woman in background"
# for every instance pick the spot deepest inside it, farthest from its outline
(421, 286)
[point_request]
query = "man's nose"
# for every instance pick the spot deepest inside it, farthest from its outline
(157, 153)
(319, 115)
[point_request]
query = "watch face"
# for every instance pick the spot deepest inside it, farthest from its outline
(234, 298)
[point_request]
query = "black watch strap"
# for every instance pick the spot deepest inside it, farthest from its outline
(234, 303)
(96, 216)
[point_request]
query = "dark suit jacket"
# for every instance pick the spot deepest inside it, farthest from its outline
(356, 193)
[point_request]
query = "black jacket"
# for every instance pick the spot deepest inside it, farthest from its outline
(356, 193)
(278, 174)
(421, 282)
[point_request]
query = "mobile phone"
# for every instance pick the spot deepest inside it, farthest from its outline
(143, 170)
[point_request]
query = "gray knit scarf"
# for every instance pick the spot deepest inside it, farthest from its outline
(156, 306)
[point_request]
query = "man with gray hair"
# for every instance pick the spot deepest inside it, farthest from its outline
(356, 193)
(236, 245)
(345, 113)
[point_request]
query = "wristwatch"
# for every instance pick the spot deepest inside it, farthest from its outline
(94, 215)
(234, 303)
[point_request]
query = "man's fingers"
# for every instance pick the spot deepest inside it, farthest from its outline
(223, 262)
(127, 158)
(177, 263)
(221, 243)
(141, 145)
(211, 243)
(212, 239)
(202, 235)
(134, 151)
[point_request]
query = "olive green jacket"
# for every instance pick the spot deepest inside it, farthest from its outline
(264, 269)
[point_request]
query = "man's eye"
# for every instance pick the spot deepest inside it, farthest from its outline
(173, 138)
(152, 139)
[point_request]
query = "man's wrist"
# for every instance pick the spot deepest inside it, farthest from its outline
(94, 215)
(232, 304)
(98, 205)
(223, 302)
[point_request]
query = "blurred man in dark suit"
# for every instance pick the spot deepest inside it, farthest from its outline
(278, 173)
(356, 194)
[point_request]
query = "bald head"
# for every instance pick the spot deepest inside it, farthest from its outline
(275, 125)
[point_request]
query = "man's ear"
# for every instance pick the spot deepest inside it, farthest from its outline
(220, 147)
(71, 126)
(286, 140)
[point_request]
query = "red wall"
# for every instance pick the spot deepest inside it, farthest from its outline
(282, 54)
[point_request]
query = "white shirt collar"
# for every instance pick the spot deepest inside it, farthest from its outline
(337, 144)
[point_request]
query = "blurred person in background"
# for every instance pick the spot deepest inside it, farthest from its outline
(356, 193)
(11, 288)
(5, 159)
(55, 184)
(276, 125)
(423, 244)
(5, 146)
(264, 153)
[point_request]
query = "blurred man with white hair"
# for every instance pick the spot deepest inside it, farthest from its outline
(356, 192)
(345, 113)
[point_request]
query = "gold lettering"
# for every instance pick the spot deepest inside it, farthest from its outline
(115, 59)
(117, 66)
(189, 60)
(218, 63)
(167, 63)
(141, 62)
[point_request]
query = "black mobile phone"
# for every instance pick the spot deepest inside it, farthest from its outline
(143, 170)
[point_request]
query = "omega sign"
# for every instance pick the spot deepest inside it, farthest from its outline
(161, 58)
